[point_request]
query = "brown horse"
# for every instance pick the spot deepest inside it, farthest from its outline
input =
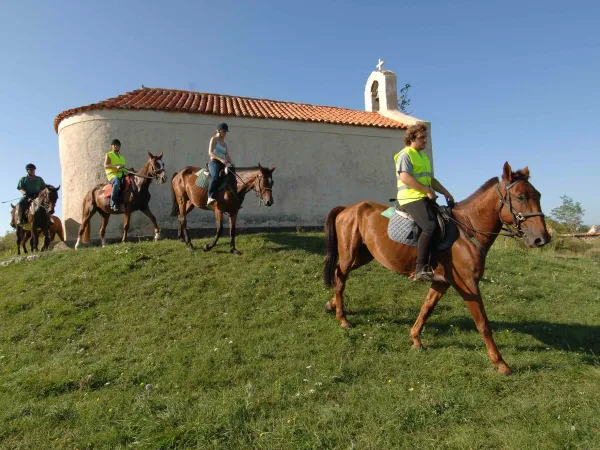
(38, 219)
(96, 201)
(54, 229)
(356, 234)
(186, 196)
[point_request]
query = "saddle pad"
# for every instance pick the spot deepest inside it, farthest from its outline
(402, 229)
(126, 186)
(203, 180)
(388, 212)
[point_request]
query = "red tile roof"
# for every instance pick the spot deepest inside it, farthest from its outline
(228, 105)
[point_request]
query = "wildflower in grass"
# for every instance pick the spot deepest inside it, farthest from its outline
(411, 388)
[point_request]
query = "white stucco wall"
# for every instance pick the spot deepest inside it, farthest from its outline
(319, 166)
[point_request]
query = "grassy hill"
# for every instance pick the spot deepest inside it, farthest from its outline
(152, 346)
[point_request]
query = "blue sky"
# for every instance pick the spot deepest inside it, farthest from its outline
(500, 81)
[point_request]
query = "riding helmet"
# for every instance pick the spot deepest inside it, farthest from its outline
(30, 166)
(223, 126)
(116, 142)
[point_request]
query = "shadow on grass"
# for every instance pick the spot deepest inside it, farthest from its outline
(312, 244)
(568, 337)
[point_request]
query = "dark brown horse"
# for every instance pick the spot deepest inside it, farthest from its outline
(54, 229)
(97, 201)
(186, 196)
(356, 234)
(38, 219)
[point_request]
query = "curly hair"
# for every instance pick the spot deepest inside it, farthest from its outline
(412, 131)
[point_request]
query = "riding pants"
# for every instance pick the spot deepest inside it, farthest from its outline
(423, 212)
(116, 188)
(214, 167)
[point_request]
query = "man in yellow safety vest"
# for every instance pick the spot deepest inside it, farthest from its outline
(114, 166)
(416, 195)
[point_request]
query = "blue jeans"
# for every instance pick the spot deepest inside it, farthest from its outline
(214, 167)
(116, 187)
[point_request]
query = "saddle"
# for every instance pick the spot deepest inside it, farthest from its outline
(204, 178)
(127, 187)
(404, 230)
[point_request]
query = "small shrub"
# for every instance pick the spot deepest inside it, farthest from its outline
(570, 245)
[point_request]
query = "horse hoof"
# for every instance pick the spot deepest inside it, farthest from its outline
(345, 324)
(417, 346)
(329, 307)
(503, 369)
(206, 248)
(235, 251)
(156, 237)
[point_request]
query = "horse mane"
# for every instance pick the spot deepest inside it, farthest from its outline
(488, 184)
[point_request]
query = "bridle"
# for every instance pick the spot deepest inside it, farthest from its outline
(511, 230)
(514, 229)
(152, 175)
(257, 189)
(45, 202)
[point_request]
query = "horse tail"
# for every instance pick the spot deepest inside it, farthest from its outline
(331, 244)
(88, 203)
(174, 205)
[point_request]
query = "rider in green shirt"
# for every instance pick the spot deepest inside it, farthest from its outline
(30, 186)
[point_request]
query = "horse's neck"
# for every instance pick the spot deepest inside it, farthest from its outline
(143, 183)
(249, 181)
(481, 214)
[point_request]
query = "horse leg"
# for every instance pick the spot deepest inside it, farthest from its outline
(474, 303)
(20, 240)
(436, 292)
(104, 217)
(232, 220)
(182, 222)
(86, 217)
(125, 225)
(150, 216)
(219, 220)
(46, 239)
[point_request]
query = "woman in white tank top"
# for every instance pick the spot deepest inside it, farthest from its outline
(219, 159)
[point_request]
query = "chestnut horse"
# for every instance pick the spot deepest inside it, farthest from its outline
(54, 229)
(186, 196)
(356, 234)
(38, 219)
(96, 201)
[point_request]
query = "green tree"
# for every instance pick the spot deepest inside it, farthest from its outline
(569, 214)
(404, 100)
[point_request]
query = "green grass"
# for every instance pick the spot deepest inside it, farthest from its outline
(153, 346)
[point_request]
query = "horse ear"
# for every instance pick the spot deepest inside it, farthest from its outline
(273, 168)
(160, 155)
(507, 172)
(12, 206)
(259, 166)
(58, 188)
(150, 154)
(525, 172)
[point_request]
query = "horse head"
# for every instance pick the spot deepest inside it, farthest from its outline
(264, 184)
(520, 207)
(48, 198)
(156, 168)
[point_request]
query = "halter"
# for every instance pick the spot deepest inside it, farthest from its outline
(514, 229)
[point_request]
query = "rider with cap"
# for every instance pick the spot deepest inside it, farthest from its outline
(219, 159)
(114, 166)
(416, 196)
(30, 186)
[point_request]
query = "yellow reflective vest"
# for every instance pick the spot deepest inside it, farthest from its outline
(115, 160)
(421, 172)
